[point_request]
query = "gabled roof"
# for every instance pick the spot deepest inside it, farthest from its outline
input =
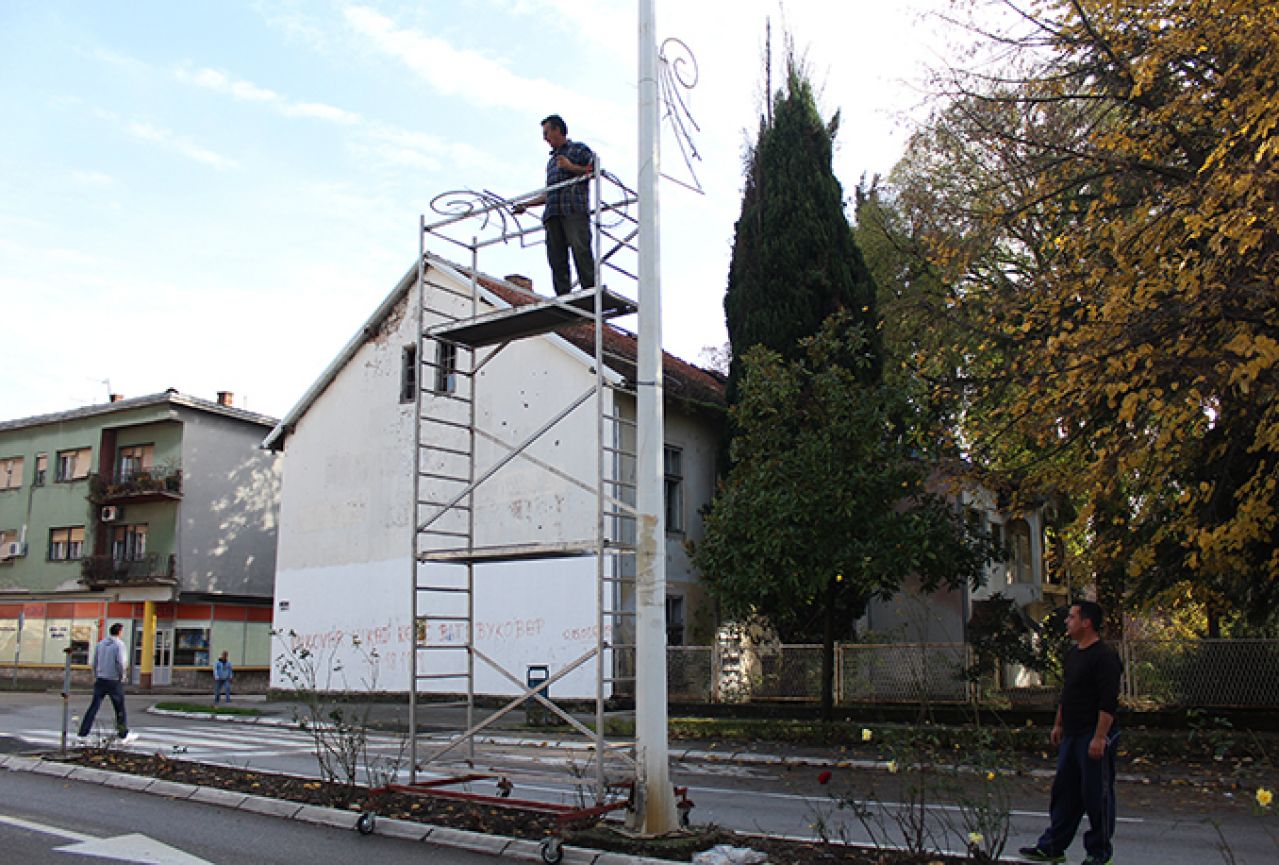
(682, 380)
(169, 397)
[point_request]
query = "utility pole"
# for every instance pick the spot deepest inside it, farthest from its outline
(655, 801)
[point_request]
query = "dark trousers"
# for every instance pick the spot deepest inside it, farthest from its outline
(1082, 786)
(106, 688)
(565, 234)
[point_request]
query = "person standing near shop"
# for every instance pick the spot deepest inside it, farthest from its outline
(110, 667)
(1085, 734)
(222, 675)
(567, 214)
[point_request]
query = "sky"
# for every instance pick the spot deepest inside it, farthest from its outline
(213, 195)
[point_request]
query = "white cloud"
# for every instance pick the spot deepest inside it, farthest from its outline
(321, 111)
(453, 71)
(220, 82)
(182, 144)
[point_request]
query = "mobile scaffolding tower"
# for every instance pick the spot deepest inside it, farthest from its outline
(456, 340)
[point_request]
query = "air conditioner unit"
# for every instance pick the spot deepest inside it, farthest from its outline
(12, 550)
(110, 513)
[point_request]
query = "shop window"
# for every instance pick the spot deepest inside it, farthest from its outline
(11, 473)
(66, 544)
(192, 649)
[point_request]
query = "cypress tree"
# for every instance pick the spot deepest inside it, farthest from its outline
(795, 261)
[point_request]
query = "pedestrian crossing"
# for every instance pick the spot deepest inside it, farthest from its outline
(213, 742)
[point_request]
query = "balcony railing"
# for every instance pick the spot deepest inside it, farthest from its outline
(137, 484)
(98, 571)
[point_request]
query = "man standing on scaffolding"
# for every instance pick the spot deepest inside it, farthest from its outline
(567, 217)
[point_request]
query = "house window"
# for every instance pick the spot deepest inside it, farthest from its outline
(1020, 570)
(42, 470)
(73, 465)
(66, 544)
(673, 466)
(445, 367)
(129, 543)
(408, 373)
(134, 460)
(11, 473)
(674, 620)
(191, 647)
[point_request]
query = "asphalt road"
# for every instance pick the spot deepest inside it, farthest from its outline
(43, 819)
(1157, 824)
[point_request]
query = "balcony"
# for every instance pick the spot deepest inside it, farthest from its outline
(98, 572)
(141, 485)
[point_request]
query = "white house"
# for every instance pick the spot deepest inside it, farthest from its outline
(347, 538)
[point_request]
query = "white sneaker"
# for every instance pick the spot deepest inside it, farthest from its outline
(130, 737)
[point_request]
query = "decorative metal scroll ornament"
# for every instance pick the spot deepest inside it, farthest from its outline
(677, 74)
(493, 212)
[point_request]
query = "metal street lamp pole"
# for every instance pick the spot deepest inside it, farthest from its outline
(655, 812)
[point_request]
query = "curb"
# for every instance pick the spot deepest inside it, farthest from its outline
(405, 830)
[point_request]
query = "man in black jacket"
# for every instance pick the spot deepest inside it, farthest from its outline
(1085, 735)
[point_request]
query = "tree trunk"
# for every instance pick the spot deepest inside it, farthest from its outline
(828, 654)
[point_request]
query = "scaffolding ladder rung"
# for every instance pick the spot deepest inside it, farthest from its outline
(443, 533)
(435, 647)
(449, 479)
(441, 421)
(426, 676)
(444, 618)
(440, 449)
(450, 507)
(621, 452)
(461, 590)
(619, 419)
(443, 704)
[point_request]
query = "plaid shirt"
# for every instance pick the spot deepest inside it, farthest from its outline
(570, 199)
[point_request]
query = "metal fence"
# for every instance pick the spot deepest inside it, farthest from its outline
(1158, 673)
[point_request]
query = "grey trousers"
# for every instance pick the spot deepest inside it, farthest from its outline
(565, 234)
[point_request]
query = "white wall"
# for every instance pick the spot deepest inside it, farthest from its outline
(346, 530)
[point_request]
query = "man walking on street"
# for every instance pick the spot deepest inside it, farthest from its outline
(110, 666)
(567, 217)
(1085, 734)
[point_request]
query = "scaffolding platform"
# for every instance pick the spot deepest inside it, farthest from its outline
(532, 319)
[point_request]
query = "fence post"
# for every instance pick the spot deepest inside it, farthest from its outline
(716, 674)
(839, 673)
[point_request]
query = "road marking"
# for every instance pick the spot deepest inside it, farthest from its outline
(44, 829)
(122, 848)
(133, 848)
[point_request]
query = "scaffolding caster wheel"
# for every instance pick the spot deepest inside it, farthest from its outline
(684, 806)
(366, 823)
(552, 850)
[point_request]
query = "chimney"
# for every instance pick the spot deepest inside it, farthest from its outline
(521, 280)
(115, 397)
(225, 397)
